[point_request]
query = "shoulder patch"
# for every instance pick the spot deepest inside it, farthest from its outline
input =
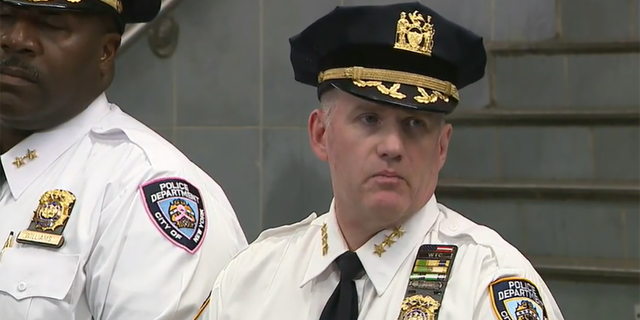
(516, 299)
(176, 209)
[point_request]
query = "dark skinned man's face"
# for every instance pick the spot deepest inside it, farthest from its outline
(53, 64)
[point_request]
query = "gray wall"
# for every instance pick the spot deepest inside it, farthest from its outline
(227, 99)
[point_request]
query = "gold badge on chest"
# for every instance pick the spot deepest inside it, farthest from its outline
(427, 282)
(419, 307)
(49, 219)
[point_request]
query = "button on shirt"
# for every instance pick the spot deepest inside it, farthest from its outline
(123, 256)
(284, 275)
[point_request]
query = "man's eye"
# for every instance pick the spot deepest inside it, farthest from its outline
(369, 119)
(417, 123)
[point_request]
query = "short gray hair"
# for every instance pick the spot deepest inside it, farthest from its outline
(327, 104)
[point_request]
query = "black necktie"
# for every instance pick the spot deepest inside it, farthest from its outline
(343, 303)
(3, 177)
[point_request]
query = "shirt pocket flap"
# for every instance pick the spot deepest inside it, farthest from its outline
(32, 272)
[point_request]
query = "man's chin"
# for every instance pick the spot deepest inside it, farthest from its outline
(388, 202)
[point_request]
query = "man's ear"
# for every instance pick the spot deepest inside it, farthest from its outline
(317, 134)
(110, 45)
(443, 143)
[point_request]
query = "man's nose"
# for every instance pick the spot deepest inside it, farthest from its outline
(391, 145)
(19, 36)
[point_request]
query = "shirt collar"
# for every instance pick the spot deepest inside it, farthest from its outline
(47, 146)
(379, 268)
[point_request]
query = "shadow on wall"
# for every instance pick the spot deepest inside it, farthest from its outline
(302, 185)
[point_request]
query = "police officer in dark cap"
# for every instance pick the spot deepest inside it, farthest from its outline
(100, 217)
(386, 249)
(66, 49)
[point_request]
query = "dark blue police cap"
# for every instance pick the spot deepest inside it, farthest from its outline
(125, 11)
(403, 54)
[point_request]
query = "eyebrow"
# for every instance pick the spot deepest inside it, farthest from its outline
(371, 106)
(367, 106)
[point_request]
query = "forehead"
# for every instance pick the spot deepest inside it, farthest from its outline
(349, 103)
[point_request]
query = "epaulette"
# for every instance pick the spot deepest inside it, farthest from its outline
(286, 229)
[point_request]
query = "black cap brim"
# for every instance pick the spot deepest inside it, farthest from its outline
(82, 6)
(133, 11)
(405, 96)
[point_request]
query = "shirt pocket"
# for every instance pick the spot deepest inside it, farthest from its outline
(39, 280)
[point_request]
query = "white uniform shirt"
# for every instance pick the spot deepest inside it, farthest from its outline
(122, 259)
(283, 275)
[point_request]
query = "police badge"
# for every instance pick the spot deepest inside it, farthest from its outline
(49, 219)
(419, 307)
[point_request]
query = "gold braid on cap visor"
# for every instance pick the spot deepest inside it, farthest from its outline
(368, 77)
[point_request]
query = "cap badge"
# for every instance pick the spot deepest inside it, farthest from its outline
(414, 34)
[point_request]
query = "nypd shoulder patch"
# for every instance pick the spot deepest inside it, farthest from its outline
(516, 299)
(176, 208)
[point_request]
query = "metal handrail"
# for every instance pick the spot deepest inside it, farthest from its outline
(135, 31)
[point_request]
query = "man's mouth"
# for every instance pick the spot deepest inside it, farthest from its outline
(13, 75)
